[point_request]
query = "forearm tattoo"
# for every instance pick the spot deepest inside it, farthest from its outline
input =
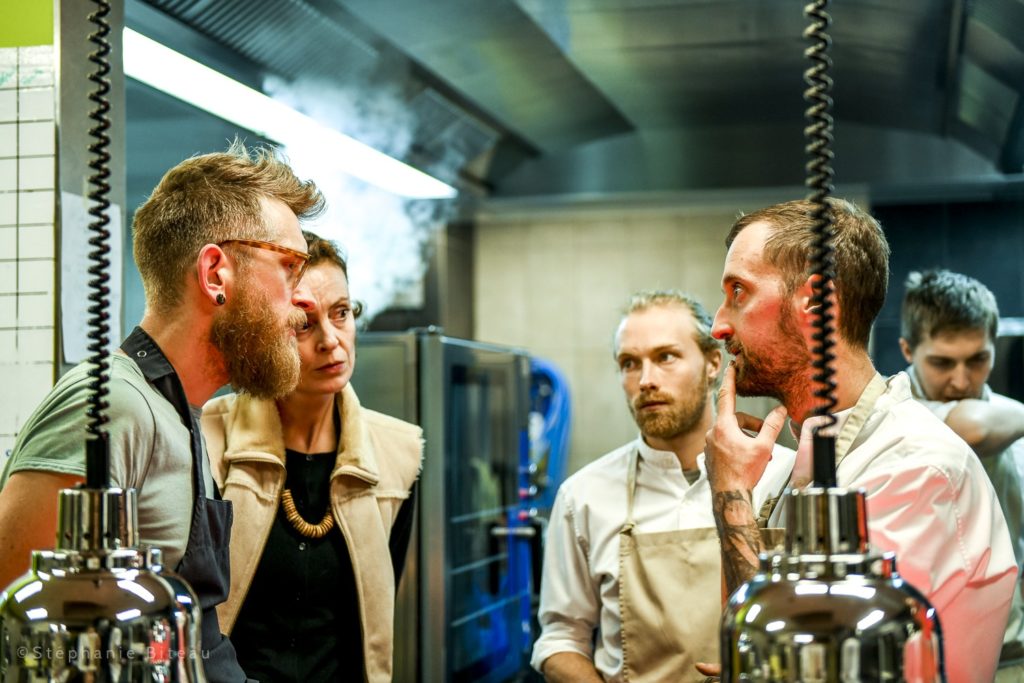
(739, 534)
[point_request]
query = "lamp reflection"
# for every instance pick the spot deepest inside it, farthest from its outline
(132, 587)
(871, 619)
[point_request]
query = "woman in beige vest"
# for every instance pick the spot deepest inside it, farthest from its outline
(321, 489)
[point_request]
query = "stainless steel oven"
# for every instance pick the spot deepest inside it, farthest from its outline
(464, 599)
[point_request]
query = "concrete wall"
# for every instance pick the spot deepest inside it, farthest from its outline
(555, 280)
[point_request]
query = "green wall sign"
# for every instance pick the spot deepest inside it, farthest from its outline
(24, 23)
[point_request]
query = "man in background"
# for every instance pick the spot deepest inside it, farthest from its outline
(631, 553)
(220, 252)
(928, 499)
(948, 329)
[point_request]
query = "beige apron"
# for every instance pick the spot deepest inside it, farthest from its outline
(669, 598)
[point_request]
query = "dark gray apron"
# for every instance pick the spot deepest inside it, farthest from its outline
(205, 564)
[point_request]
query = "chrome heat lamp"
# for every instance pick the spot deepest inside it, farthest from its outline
(99, 607)
(827, 609)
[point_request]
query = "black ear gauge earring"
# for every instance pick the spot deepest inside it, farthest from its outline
(221, 299)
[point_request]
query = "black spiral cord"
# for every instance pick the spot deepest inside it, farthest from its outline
(818, 133)
(97, 452)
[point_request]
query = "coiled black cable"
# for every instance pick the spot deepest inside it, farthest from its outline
(818, 134)
(97, 452)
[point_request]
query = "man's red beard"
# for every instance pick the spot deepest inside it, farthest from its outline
(260, 354)
(777, 373)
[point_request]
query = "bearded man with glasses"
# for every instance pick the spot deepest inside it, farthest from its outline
(220, 251)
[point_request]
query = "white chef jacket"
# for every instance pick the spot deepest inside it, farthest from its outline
(1006, 472)
(930, 501)
(580, 586)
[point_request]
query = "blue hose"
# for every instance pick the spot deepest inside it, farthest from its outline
(551, 400)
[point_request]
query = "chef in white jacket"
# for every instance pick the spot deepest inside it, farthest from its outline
(632, 555)
(928, 498)
(948, 327)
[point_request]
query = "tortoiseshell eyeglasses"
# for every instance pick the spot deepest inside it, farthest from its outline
(296, 268)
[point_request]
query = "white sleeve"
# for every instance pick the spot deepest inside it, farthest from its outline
(776, 476)
(941, 409)
(951, 543)
(569, 601)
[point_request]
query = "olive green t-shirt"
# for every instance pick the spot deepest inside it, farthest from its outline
(149, 449)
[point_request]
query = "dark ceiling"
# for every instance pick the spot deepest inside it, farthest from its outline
(533, 98)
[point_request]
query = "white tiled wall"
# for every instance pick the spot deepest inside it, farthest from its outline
(27, 253)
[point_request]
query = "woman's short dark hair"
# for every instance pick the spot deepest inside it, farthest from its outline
(327, 251)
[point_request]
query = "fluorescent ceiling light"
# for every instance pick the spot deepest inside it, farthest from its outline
(186, 79)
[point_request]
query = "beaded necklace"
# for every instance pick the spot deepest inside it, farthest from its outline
(302, 526)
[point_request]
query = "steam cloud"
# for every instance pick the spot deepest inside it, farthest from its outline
(384, 235)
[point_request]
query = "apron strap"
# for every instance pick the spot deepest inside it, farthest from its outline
(159, 372)
(632, 465)
(765, 513)
(771, 511)
(855, 422)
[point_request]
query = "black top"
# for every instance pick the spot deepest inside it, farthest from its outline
(300, 619)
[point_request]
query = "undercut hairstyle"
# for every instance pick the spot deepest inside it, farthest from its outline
(324, 251)
(702, 322)
(937, 301)
(205, 200)
(861, 255)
